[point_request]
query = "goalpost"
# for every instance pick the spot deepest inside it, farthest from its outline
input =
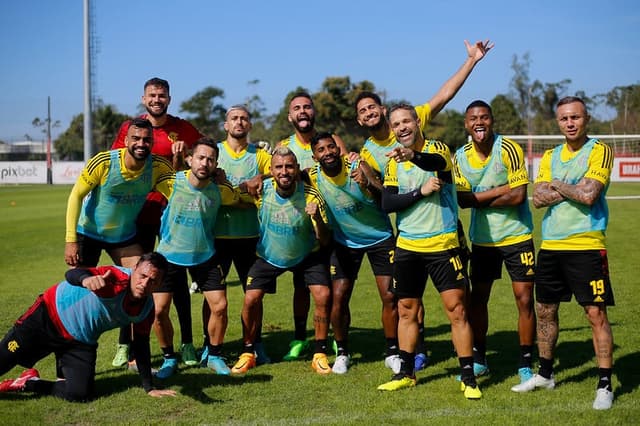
(626, 151)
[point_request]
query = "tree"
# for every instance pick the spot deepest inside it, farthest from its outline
(204, 113)
(505, 115)
(106, 121)
(626, 101)
(448, 127)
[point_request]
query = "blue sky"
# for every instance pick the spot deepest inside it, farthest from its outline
(406, 48)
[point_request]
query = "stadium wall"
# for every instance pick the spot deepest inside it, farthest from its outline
(625, 169)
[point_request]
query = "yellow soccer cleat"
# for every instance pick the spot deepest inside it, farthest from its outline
(320, 363)
(246, 362)
(399, 381)
(470, 392)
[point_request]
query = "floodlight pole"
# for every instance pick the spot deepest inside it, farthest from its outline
(49, 171)
(88, 138)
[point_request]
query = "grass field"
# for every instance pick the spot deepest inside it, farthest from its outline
(31, 239)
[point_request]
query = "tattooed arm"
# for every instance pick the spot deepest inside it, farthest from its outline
(586, 191)
(544, 195)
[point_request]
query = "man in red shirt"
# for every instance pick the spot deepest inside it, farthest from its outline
(172, 138)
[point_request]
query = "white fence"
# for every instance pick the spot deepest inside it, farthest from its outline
(625, 169)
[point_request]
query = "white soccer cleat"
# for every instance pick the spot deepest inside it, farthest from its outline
(537, 381)
(393, 362)
(341, 364)
(604, 399)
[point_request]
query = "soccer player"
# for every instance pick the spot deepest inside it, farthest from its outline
(359, 227)
(68, 318)
(302, 115)
(116, 184)
(293, 233)
(186, 240)
(491, 179)
(572, 261)
(371, 114)
(427, 245)
(236, 229)
(173, 137)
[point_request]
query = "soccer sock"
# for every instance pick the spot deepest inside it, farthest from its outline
(320, 346)
(392, 346)
(480, 353)
(526, 355)
(343, 347)
(300, 324)
(546, 368)
(420, 346)
(168, 352)
(605, 379)
(215, 350)
(408, 363)
(247, 348)
(466, 370)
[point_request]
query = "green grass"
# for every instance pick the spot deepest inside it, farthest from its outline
(31, 239)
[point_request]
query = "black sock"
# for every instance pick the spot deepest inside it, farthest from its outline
(300, 324)
(168, 352)
(605, 379)
(480, 353)
(526, 356)
(408, 363)
(392, 346)
(466, 370)
(420, 348)
(546, 368)
(343, 348)
(320, 346)
(216, 350)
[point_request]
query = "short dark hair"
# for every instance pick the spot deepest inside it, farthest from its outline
(319, 136)
(211, 143)
(301, 94)
(367, 95)
(141, 123)
(155, 81)
(479, 104)
(156, 259)
(570, 100)
(405, 106)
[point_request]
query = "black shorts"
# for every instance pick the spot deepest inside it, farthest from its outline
(412, 269)
(208, 275)
(313, 270)
(239, 251)
(583, 274)
(519, 259)
(345, 262)
(91, 249)
(34, 336)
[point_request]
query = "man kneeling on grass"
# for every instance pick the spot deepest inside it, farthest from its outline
(69, 318)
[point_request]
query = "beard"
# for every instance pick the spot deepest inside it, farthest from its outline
(139, 156)
(307, 129)
(162, 113)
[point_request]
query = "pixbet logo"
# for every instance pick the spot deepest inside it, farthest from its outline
(19, 171)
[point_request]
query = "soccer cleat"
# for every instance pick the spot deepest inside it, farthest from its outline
(320, 363)
(296, 348)
(217, 364)
(17, 385)
(261, 354)
(421, 362)
(246, 362)
(169, 366)
(470, 392)
(204, 355)
(341, 364)
(525, 374)
(604, 399)
(188, 354)
(122, 356)
(393, 362)
(537, 381)
(399, 381)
